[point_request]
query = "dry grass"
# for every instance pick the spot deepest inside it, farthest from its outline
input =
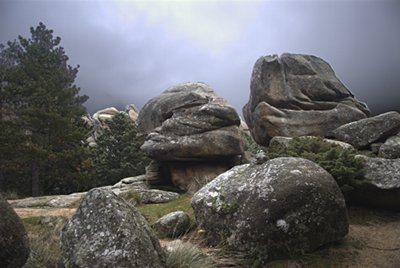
(44, 239)
(186, 254)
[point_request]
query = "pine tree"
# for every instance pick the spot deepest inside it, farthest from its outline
(41, 110)
(118, 154)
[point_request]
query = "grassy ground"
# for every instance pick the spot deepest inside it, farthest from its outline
(153, 212)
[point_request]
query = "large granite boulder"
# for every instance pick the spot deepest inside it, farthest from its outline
(364, 132)
(391, 148)
(106, 231)
(282, 207)
(297, 95)
(14, 246)
(190, 123)
(380, 187)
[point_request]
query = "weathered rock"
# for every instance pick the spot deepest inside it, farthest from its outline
(282, 207)
(99, 121)
(132, 111)
(105, 114)
(108, 232)
(56, 201)
(284, 141)
(297, 95)
(189, 122)
(14, 246)
(364, 132)
(374, 147)
(173, 224)
(380, 187)
(153, 173)
(137, 184)
(391, 148)
(155, 196)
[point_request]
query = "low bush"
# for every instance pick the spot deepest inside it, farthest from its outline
(249, 144)
(341, 163)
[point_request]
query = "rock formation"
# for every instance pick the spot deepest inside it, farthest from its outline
(190, 124)
(364, 132)
(106, 231)
(14, 246)
(391, 148)
(380, 187)
(282, 207)
(98, 121)
(297, 95)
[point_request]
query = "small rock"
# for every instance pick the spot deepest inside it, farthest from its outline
(391, 148)
(173, 224)
(154, 196)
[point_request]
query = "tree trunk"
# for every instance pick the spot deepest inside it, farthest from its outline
(35, 180)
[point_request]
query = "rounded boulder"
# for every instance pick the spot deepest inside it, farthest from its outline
(283, 207)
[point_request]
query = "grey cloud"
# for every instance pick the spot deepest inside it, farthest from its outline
(122, 64)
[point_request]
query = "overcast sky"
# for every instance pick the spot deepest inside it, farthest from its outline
(131, 51)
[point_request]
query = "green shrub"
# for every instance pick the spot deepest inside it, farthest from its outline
(249, 144)
(341, 163)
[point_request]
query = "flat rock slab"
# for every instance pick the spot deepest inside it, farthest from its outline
(363, 133)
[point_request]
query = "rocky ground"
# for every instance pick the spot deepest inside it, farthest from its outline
(373, 241)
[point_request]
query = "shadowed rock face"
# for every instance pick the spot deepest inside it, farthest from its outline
(189, 123)
(380, 187)
(296, 95)
(391, 147)
(279, 208)
(14, 246)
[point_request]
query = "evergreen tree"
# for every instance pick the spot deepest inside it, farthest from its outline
(118, 154)
(41, 112)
